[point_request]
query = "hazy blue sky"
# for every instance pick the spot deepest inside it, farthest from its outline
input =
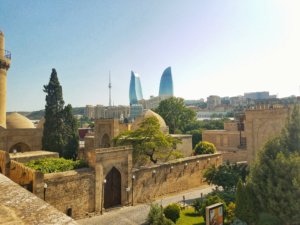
(214, 47)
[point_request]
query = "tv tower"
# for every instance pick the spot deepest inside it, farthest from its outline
(109, 86)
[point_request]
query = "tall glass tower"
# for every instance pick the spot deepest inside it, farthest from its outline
(166, 83)
(135, 89)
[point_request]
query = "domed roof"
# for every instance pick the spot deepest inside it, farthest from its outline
(17, 121)
(40, 124)
(149, 113)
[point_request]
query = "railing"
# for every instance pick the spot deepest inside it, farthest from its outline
(7, 54)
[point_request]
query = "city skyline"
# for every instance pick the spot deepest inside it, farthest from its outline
(214, 48)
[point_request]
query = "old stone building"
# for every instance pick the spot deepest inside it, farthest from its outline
(16, 131)
(242, 139)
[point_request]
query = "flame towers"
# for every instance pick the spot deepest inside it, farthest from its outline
(166, 83)
(135, 89)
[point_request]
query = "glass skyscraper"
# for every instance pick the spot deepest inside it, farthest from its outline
(166, 83)
(135, 89)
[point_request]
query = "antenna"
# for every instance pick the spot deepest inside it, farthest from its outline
(109, 86)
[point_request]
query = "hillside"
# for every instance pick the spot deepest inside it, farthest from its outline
(37, 115)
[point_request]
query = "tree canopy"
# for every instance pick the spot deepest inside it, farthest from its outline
(60, 132)
(148, 141)
(175, 114)
(275, 176)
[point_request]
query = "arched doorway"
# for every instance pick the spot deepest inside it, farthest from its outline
(20, 147)
(112, 190)
(105, 141)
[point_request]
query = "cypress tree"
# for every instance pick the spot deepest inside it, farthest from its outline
(71, 134)
(53, 138)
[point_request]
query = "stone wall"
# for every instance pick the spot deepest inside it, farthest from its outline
(28, 178)
(73, 190)
(171, 177)
(24, 157)
(19, 206)
(186, 146)
(4, 162)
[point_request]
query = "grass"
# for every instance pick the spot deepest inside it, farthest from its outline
(188, 216)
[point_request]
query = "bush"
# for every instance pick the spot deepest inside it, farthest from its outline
(201, 203)
(156, 217)
(52, 165)
(172, 212)
(204, 147)
(230, 213)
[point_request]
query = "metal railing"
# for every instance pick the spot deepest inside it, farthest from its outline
(7, 54)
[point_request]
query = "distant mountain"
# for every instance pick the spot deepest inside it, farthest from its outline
(37, 115)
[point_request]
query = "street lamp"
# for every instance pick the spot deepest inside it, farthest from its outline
(45, 188)
(102, 196)
(127, 191)
(132, 180)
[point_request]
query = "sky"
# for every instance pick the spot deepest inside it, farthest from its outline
(214, 47)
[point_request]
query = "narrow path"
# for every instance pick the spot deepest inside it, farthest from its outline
(137, 215)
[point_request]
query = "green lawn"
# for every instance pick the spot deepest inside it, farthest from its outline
(189, 217)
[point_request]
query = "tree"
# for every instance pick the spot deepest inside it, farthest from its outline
(172, 212)
(53, 133)
(60, 132)
(226, 175)
(175, 113)
(71, 134)
(275, 175)
(148, 141)
(201, 203)
(247, 207)
(156, 216)
(204, 147)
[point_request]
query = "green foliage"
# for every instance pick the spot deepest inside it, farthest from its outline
(204, 147)
(226, 196)
(201, 203)
(196, 137)
(52, 165)
(172, 212)
(71, 134)
(291, 133)
(60, 132)
(238, 222)
(226, 175)
(274, 180)
(205, 125)
(148, 141)
(189, 216)
(156, 216)
(230, 215)
(175, 113)
(53, 133)
(247, 208)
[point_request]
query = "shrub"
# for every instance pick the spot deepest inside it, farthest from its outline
(156, 216)
(172, 212)
(204, 147)
(230, 213)
(201, 203)
(52, 165)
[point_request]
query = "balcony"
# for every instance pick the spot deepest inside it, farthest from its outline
(7, 54)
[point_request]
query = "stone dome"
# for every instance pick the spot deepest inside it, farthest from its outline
(40, 124)
(17, 121)
(149, 113)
